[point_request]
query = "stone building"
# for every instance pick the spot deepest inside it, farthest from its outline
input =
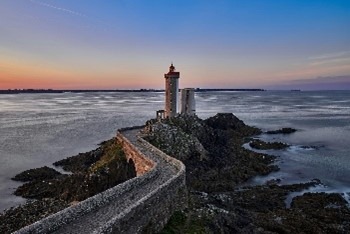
(188, 105)
(171, 91)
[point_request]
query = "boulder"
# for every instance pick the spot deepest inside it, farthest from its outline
(282, 131)
(42, 173)
(262, 145)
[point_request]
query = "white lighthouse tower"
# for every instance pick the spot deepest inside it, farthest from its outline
(171, 91)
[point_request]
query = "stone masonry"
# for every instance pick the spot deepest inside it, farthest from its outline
(145, 202)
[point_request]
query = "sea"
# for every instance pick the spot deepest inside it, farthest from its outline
(38, 129)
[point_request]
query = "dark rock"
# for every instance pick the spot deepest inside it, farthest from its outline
(312, 147)
(94, 172)
(309, 213)
(216, 207)
(80, 162)
(42, 173)
(111, 169)
(225, 121)
(282, 131)
(23, 215)
(83, 161)
(177, 141)
(273, 182)
(228, 121)
(266, 197)
(38, 189)
(262, 145)
(211, 150)
(262, 209)
(318, 201)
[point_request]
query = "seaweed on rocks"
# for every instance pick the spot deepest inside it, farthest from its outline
(109, 170)
(93, 172)
(80, 162)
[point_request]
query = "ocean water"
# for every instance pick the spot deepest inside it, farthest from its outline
(39, 129)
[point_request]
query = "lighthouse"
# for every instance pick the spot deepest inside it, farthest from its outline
(171, 91)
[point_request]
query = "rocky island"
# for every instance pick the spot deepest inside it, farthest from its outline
(217, 165)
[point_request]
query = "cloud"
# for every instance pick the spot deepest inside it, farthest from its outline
(326, 65)
(324, 79)
(58, 8)
(330, 56)
(330, 61)
(331, 69)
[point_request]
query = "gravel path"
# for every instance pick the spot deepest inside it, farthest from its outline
(95, 219)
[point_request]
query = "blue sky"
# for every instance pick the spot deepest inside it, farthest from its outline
(130, 43)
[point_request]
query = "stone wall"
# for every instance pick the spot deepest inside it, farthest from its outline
(142, 163)
(149, 213)
(56, 221)
(152, 212)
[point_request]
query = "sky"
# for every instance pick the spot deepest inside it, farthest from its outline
(129, 44)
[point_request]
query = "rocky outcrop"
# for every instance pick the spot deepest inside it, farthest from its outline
(92, 175)
(42, 173)
(32, 211)
(282, 131)
(180, 143)
(111, 169)
(254, 209)
(262, 145)
(82, 161)
(262, 209)
(228, 121)
(211, 149)
(310, 213)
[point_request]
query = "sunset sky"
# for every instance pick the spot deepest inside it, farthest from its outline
(94, 44)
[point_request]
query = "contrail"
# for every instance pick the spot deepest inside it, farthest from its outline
(58, 8)
(106, 24)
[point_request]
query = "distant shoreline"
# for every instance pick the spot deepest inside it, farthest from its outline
(18, 91)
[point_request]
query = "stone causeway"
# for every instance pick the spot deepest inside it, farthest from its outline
(142, 204)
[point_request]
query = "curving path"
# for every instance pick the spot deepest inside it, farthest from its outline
(149, 189)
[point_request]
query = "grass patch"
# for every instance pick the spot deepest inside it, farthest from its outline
(111, 151)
